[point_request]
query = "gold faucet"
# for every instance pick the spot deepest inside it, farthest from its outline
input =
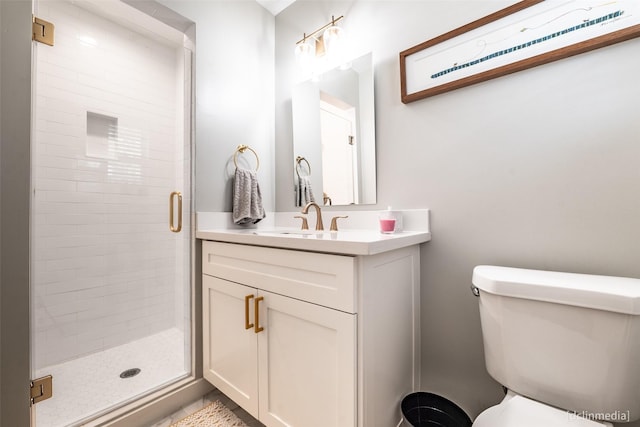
(334, 222)
(305, 210)
(305, 224)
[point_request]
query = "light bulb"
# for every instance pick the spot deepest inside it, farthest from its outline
(305, 52)
(333, 38)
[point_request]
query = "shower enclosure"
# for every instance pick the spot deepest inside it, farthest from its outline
(111, 208)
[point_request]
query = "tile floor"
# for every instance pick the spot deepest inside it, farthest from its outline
(204, 401)
(75, 382)
(92, 384)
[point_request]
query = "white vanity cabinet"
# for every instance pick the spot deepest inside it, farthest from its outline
(308, 339)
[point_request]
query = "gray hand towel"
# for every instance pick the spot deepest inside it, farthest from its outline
(305, 194)
(247, 199)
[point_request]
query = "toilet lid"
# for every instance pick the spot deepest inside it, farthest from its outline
(522, 412)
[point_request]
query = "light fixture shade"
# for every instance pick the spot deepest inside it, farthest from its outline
(305, 52)
(321, 48)
(333, 38)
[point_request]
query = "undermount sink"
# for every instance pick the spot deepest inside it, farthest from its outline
(301, 234)
(292, 232)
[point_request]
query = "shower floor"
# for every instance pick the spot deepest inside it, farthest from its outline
(90, 385)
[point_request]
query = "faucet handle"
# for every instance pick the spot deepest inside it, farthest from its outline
(334, 222)
(305, 224)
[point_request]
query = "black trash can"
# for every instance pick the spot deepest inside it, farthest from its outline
(424, 409)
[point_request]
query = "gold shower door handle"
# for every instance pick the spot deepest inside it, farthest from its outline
(171, 216)
(257, 327)
(247, 325)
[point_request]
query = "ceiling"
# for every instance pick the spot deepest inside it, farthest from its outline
(275, 6)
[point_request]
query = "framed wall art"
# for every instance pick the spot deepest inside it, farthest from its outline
(524, 35)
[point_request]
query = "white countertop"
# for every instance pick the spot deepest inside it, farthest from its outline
(358, 233)
(348, 242)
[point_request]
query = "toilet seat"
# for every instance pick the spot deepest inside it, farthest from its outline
(519, 411)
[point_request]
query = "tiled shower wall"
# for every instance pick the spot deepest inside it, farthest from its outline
(109, 148)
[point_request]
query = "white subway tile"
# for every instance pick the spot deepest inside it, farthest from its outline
(105, 270)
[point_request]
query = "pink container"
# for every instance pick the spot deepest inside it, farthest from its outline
(387, 225)
(390, 221)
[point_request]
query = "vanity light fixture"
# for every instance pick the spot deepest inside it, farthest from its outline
(326, 40)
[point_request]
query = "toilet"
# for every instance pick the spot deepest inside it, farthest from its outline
(565, 346)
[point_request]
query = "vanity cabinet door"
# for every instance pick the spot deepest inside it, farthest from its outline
(230, 350)
(307, 364)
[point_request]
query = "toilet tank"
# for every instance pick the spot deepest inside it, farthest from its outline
(569, 340)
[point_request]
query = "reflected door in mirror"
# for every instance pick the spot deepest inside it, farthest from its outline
(339, 156)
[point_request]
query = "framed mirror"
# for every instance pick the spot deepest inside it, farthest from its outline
(334, 144)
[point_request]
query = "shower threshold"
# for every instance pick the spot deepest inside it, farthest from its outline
(95, 384)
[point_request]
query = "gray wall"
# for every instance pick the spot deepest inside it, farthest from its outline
(15, 100)
(540, 169)
(234, 95)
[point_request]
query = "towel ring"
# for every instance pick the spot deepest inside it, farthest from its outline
(241, 149)
(298, 160)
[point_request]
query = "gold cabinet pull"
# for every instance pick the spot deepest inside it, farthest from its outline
(171, 204)
(247, 325)
(257, 327)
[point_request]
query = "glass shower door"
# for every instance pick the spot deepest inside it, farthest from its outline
(111, 276)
